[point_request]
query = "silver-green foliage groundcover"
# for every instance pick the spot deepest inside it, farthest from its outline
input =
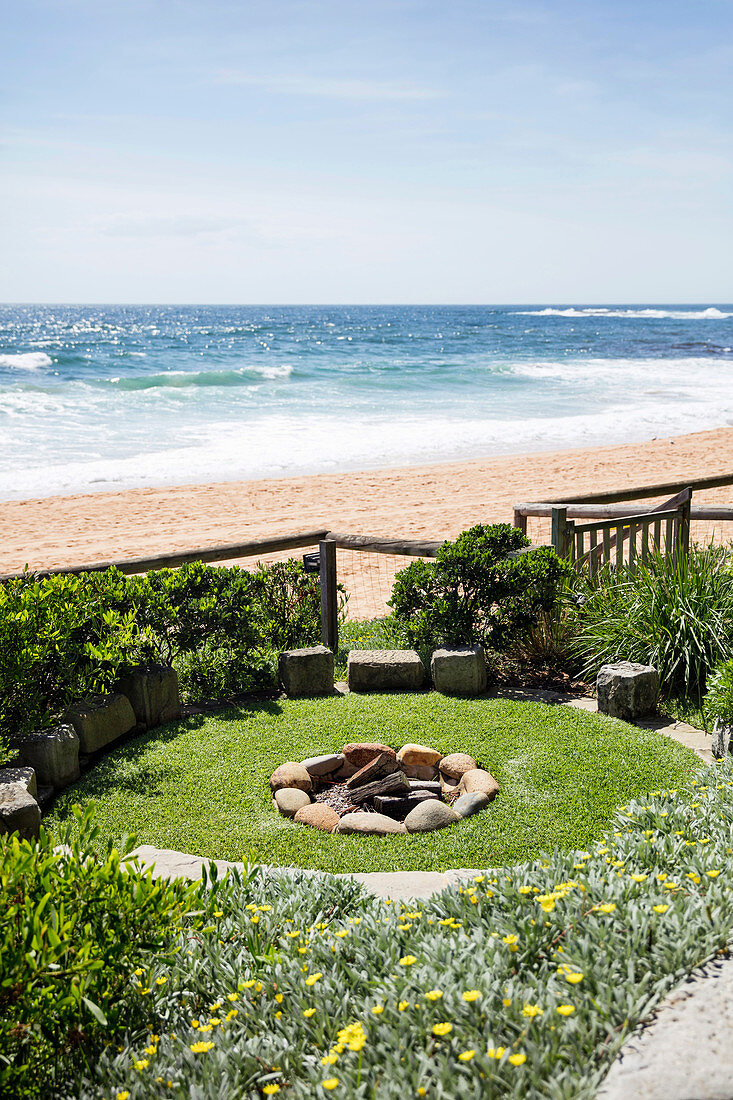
(525, 982)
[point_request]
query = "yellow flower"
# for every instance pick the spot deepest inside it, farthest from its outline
(671, 886)
(434, 994)
(160, 981)
(270, 1090)
(403, 1005)
(532, 1010)
(138, 974)
(122, 1095)
(525, 889)
(214, 1021)
(442, 1029)
(471, 995)
(517, 1059)
(712, 874)
(495, 1052)
(565, 1010)
(255, 918)
(660, 908)
(200, 1048)
(377, 1009)
(329, 1059)
(422, 1091)
(142, 1064)
(404, 927)
(695, 878)
(408, 960)
(330, 1083)
(218, 913)
(506, 1002)
(313, 978)
(637, 878)
(151, 1050)
(607, 907)
(466, 1055)
(249, 984)
(574, 978)
(231, 1014)
(308, 1012)
(342, 933)
(511, 939)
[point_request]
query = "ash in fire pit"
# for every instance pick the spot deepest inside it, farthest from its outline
(372, 788)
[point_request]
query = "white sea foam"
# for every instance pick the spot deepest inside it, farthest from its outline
(711, 313)
(28, 360)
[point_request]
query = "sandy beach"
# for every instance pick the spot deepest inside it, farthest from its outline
(432, 502)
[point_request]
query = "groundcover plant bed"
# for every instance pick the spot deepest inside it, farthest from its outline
(524, 982)
(202, 785)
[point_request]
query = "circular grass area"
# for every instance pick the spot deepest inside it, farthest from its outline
(201, 785)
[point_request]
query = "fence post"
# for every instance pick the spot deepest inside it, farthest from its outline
(329, 597)
(684, 528)
(520, 521)
(560, 531)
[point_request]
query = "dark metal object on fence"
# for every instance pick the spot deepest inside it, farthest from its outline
(312, 562)
(329, 594)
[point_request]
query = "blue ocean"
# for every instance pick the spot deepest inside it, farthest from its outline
(94, 398)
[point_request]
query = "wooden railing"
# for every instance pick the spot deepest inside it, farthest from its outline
(623, 541)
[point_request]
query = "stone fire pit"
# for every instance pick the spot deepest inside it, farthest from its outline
(374, 789)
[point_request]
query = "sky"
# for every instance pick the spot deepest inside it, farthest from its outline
(329, 151)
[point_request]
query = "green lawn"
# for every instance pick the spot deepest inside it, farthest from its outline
(201, 785)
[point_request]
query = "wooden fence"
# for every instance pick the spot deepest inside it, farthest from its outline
(618, 535)
(327, 542)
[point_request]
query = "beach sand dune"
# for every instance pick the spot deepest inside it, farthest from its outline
(432, 502)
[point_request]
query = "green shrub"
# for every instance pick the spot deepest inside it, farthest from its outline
(719, 698)
(290, 603)
(675, 613)
(61, 638)
(75, 927)
(476, 591)
(212, 672)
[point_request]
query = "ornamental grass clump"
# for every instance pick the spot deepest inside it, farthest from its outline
(673, 612)
(523, 981)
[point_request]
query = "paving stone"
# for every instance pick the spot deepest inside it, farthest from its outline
(290, 799)
(469, 804)
(290, 774)
(430, 815)
(627, 690)
(153, 694)
(324, 765)
(100, 720)
(384, 670)
(53, 753)
(318, 816)
(369, 824)
(306, 672)
(459, 670)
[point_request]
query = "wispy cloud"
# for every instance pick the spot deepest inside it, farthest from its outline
(331, 87)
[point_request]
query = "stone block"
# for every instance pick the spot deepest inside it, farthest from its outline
(359, 753)
(459, 670)
(290, 774)
(452, 767)
(324, 765)
(306, 672)
(369, 824)
(469, 804)
(19, 811)
(153, 694)
(384, 670)
(290, 799)
(418, 756)
(318, 816)
(100, 720)
(26, 777)
(627, 690)
(477, 780)
(53, 753)
(430, 815)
